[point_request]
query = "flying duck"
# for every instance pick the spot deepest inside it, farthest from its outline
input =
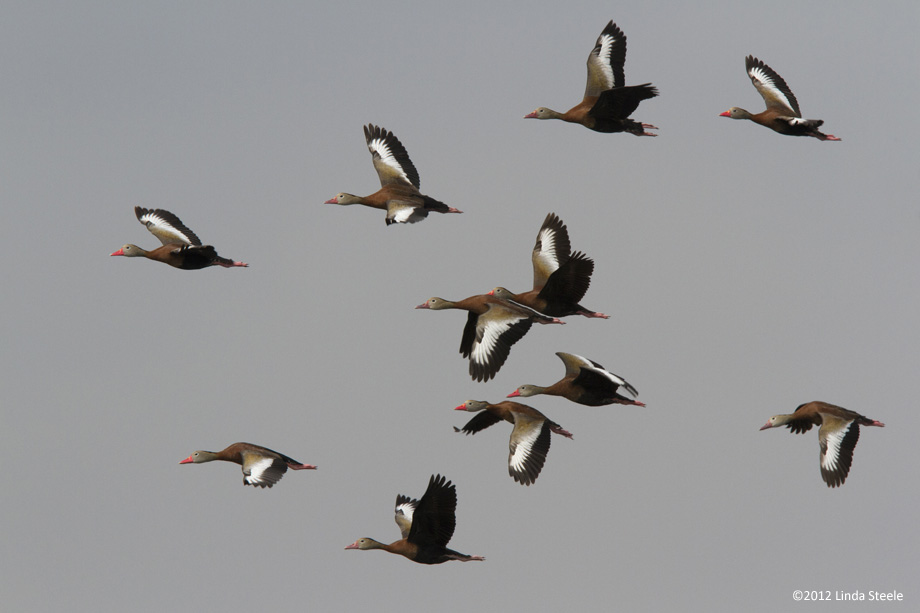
(399, 192)
(530, 437)
(262, 467)
(181, 247)
(782, 114)
(426, 525)
(837, 435)
(608, 102)
(585, 382)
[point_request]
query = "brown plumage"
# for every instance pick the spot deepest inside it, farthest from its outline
(585, 382)
(608, 102)
(181, 247)
(399, 192)
(492, 327)
(560, 278)
(426, 525)
(262, 467)
(782, 113)
(530, 437)
(838, 433)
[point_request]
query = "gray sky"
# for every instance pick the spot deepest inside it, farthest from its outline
(745, 272)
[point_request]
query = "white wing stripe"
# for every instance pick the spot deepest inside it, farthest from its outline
(589, 365)
(767, 82)
(380, 148)
(164, 228)
(257, 470)
(406, 509)
(491, 333)
(522, 450)
(548, 249)
(603, 55)
(831, 457)
(404, 214)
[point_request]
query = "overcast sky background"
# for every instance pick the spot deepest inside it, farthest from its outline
(746, 273)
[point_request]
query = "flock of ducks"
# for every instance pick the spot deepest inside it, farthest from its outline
(499, 318)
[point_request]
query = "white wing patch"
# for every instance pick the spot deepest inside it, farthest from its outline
(584, 362)
(550, 251)
(603, 55)
(770, 89)
(261, 472)
(406, 509)
(522, 447)
(404, 512)
(488, 336)
(612, 377)
(403, 213)
(830, 457)
(384, 155)
(160, 227)
(600, 370)
(549, 255)
(766, 81)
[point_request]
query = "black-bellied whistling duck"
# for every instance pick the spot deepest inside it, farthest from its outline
(608, 103)
(529, 438)
(838, 433)
(181, 247)
(399, 182)
(560, 277)
(492, 326)
(262, 467)
(782, 114)
(426, 526)
(585, 382)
